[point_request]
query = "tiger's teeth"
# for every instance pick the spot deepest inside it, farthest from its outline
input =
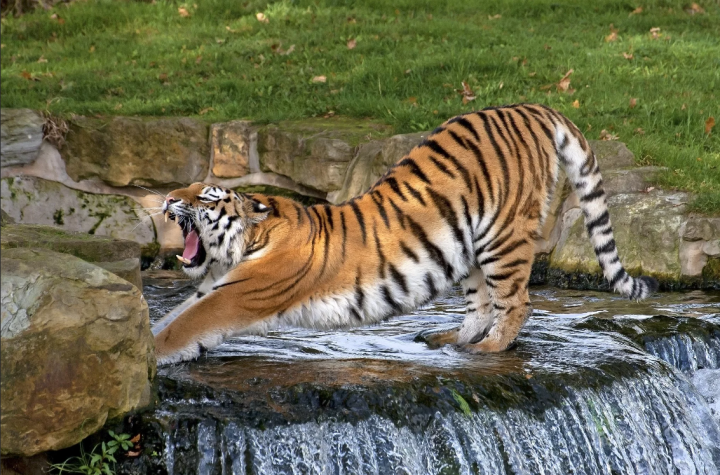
(167, 213)
(182, 259)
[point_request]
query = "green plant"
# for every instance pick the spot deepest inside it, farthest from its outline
(99, 461)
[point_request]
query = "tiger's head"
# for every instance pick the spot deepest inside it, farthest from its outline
(215, 223)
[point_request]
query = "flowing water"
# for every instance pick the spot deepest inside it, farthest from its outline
(596, 384)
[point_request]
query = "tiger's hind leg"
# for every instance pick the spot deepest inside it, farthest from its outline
(506, 281)
(478, 316)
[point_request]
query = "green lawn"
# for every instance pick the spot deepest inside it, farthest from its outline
(220, 62)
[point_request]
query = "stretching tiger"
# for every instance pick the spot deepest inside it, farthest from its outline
(464, 205)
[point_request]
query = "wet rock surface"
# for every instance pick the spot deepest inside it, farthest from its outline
(582, 392)
(76, 350)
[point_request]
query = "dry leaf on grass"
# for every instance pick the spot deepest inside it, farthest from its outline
(262, 18)
(639, 131)
(494, 17)
(605, 135)
(564, 84)
(628, 55)
(613, 34)
(637, 11)
(28, 76)
(319, 79)
(576, 104)
(206, 110)
(118, 106)
(633, 102)
(42, 59)
(92, 49)
(709, 124)
(132, 453)
(183, 12)
(655, 33)
(467, 93)
(351, 44)
(135, 439)
(694, 8)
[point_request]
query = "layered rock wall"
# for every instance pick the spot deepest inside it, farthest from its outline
(111, 176)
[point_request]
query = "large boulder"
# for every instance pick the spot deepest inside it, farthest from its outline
(31, 200)
(21, 134)
(119, 256)
(76, 350)
(231, 148)
(125, 151)
(315, 152)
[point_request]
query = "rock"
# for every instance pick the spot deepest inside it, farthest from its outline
(30, 200)
(611, 154)
(315, 152)
(5, 218)
(119, 256)
(700, 247)
(232, 144)
(76, 350)
(371, 162)
(633, 180)
(656, 217)
(21, 135)
(140, 151)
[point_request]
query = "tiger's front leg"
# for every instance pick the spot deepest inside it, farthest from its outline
(204, 288)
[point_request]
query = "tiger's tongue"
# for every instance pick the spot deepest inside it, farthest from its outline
(192, 242)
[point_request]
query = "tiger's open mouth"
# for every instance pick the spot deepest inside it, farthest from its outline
(194, 253)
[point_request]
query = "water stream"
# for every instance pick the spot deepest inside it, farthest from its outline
(596, 385)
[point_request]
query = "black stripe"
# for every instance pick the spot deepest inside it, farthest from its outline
(414, 169)
(215, 287)
(381, 210)
(499, 241)
(449, 215)
(416, 194)
(502, 276)
(381, 256)
(514, 263)
(436, 147)
(359, 294)
(511, 247)
(344, 233)
(470, 291)
(462, 121)
(487, 260)
(355, 314)
(361, 221)
(440, 166)
(273, 204)
(398, 212)
(328, 212)
(200, 295)
(481, 163)
(409, 252)
(601, 220)
(463, 171)
(616, 278)
(398, 278)
(433, 251)
(431, 286)
(608, 247)
(298, 210)
(466, 211)
(387, 296)
(395, 187)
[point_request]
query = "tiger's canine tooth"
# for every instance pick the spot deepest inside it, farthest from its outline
(167, 213)
(182, 259)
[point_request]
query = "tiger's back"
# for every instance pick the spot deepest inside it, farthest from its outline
(464, 205)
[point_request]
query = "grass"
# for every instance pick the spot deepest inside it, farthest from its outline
(222, 63)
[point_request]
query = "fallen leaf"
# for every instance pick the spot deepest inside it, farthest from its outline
(564, 84)
(163, 76)
(532, 74)
(467, 93)
(633, 102)
(605, 135)
(287, 52)
(329, 114)
(412, 100)
(627, 55)
(92, 49)
(576, 104)
(183, 12)
(637, 11)
(613, 34)
(408, 71)
(26, 75)
(709, 124)
(655, 32)
(684, 106)
(639, 131)
(2, 45)
(319, 79)
(648, 189)
(547, 47)
(219, 41)
(54, 16)
(42, 59)
(500, 86)
(206, 110)
(351, 44)
(135, 439)
(198, 60)
(262, 18)
(494, 17)
(694, 8)
(132, 453)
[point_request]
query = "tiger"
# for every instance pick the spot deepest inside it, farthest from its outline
(465, 205)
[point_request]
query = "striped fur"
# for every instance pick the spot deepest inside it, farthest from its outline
(465, 205)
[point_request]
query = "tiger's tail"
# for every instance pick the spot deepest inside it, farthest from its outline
(581, 167)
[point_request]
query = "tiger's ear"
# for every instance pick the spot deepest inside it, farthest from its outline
(258, 211)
